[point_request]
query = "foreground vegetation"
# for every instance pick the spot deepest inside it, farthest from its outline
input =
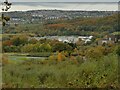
(62, 73)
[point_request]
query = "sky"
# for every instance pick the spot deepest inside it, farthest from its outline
(37, 5)
(63, 0)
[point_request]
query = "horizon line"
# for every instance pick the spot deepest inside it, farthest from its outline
(65, 10)
(64, 2)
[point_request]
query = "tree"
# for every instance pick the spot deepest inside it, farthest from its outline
(28, 48)
(33, 41)
(19, 40)
(45, 48)
(61, 47)
(7, 43)
(61, 56)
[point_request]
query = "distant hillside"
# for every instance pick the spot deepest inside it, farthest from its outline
(42, 15)
(98, 23)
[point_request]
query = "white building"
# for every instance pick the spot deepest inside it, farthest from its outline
(85, 38)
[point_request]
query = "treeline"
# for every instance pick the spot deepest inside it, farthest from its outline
(23, 44)
(46, 47)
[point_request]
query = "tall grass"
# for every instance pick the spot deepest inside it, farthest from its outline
(100, 73)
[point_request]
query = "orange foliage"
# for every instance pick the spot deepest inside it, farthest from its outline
(7, 43)
(88, 21)
(57, 25)
(61, 57)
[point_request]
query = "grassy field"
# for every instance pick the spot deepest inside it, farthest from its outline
(101, 73)
(19, 57)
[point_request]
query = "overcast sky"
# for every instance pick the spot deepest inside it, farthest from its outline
(64, 6)
(63, 0)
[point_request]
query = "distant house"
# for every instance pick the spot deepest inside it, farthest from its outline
(114, 38)
(65, 39)
(86, 39)
(68, 39)
(109, 39)
(103, 41)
